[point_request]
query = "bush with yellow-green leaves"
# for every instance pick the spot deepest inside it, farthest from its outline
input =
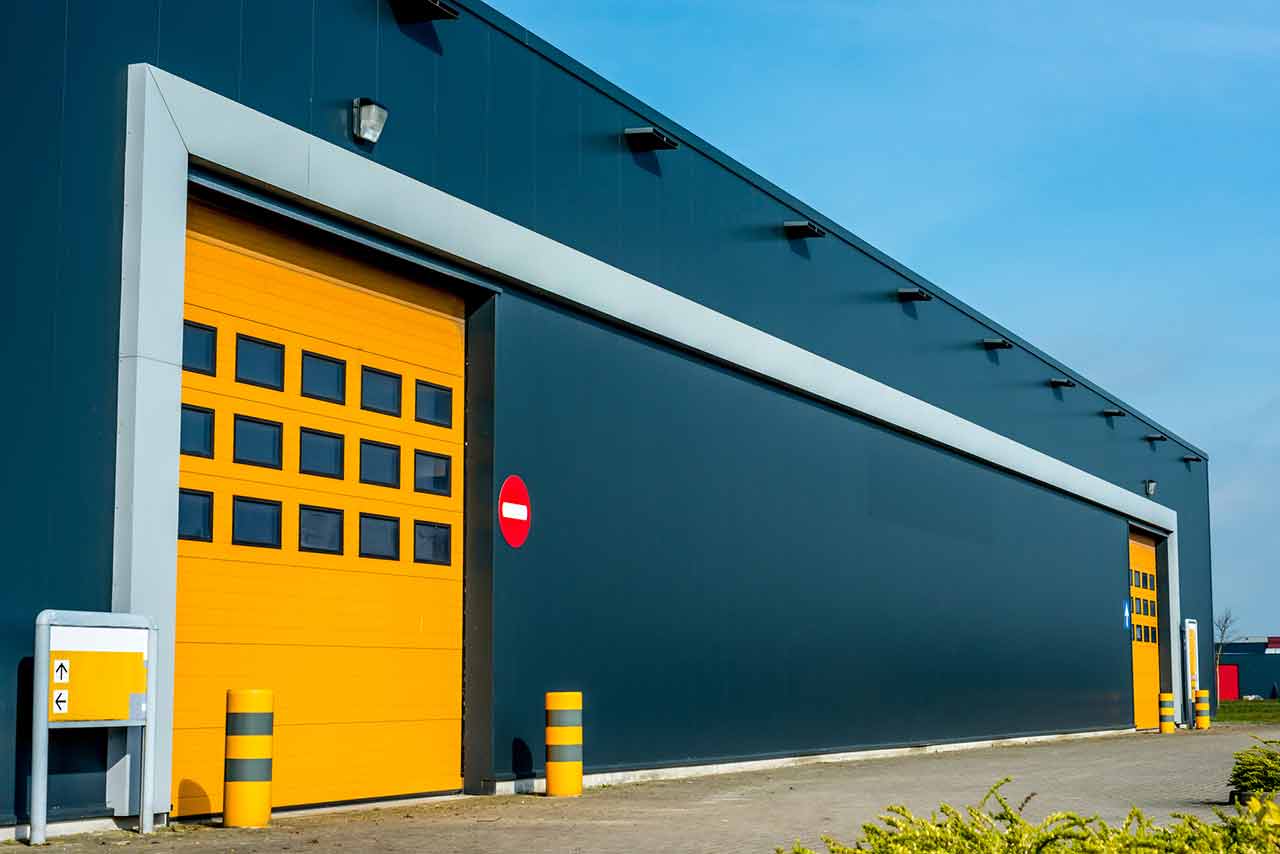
(1253, 828)
(1257, 770)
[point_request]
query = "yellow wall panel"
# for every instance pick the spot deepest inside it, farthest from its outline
(364, 655)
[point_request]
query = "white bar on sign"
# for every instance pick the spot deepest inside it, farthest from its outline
(515, 511)
(97, 639)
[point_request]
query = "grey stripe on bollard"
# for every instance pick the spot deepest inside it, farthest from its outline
(564, 752)
(564, 717)
(248, 771)
(249, 723)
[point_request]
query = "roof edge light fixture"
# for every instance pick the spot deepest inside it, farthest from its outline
(649, 139)
(997, 344)
(914, 295)
(368, 118)
(1061, 382)
(1155, 437)
(415, 11)
(1114, 413)
(802, 229)
(1149, 487)
(1193, 458)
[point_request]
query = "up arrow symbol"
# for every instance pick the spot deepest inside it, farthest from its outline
(62, 670)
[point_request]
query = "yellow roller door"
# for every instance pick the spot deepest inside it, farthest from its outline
(320, 518)
(1145, 645)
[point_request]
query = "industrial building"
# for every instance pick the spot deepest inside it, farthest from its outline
(388, 358)
(1250, 667)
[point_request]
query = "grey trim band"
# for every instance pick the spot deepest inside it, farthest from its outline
(564, 717)
(564, 752)
(248, 771)
(250, 723)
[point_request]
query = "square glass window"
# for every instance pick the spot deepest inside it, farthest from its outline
(320, 453)
(379, 536)
(379, 463)
(255, 522)
(195, 515)
(431, 473)
(431, 543)
(1137, 633)
(197, 431)
(324, 378)
(379, 391)
(1137, 578)
(258, 442)
(1137, 606)
(319, 530)
(259, 362)
(434, 404)
(1149, 581)
(199, 348)
(1155, 634)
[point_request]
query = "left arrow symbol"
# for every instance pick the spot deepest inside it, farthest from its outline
(59, 701)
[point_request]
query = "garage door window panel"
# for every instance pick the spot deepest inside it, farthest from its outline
(195, 515)
(259, 362)
(197, 431)
(324, 378)
(431, 543)
(199, 348)
(259, 442)
(379, 536)
(320, 530)
(380, 391)
(255, 522)
(431, 473)
(321, 453)
(379, 463)
(433, 404)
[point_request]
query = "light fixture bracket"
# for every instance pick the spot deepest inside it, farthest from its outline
(1062, 382)
(914, 295)
(802, 229)
(997, 344)
(417, 11)
(368, 118)
(649, 139)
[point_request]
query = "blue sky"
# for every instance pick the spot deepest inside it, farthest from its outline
(1102, 178)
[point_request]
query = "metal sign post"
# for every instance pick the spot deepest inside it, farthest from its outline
(91, 670)
(1191, 658)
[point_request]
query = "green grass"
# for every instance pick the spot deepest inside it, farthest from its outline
(1249, 711)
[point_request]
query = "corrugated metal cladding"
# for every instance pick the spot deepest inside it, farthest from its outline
(726, 569)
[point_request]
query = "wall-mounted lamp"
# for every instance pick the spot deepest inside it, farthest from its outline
(415, 11)
(997, 344)
(1062, 382)
(802, 229)
(914, 295)
(1193, 458)
(368, 118)
(1149, 487)
(649, 139)
(1155, 437)
(1114, 413)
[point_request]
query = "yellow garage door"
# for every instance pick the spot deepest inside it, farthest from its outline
(320, 518)
(1144, 605)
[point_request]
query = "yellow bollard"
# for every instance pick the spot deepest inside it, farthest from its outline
(564, 744)
(1202, 709)
(246, 794)
(1166, 713)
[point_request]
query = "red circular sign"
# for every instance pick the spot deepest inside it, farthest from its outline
(515, 511)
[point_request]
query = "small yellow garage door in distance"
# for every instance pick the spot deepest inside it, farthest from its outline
(320, 522)
(1145, 645)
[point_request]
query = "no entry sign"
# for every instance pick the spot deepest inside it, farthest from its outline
(515, 511)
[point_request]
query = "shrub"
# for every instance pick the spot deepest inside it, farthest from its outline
(1257, 770)
(1253, 828)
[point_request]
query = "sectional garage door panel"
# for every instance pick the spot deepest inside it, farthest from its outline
(320, 517)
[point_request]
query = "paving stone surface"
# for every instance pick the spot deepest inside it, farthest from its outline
(754, 812)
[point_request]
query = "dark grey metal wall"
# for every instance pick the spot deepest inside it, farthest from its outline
(486, 111)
